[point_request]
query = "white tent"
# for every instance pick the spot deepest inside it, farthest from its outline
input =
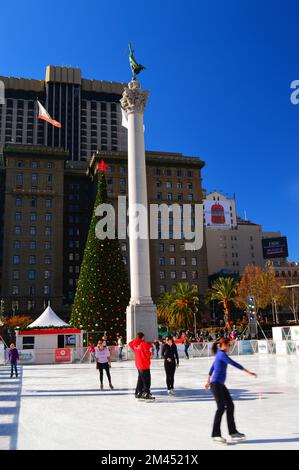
(47, 319)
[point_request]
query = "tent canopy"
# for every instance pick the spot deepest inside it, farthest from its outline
(47, 319)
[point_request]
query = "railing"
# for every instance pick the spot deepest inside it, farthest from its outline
(196, 350)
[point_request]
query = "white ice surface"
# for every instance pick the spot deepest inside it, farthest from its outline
(61, 407)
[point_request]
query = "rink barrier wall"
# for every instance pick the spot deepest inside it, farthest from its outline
(196, 350)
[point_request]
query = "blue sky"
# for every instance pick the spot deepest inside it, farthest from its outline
(219, 72)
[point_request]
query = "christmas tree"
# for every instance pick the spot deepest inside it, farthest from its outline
(102, 293)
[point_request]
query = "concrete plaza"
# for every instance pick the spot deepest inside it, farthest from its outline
(61, 407)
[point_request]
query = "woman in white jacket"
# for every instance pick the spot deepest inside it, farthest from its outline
(102, 354)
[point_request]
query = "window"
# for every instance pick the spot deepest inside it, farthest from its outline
(169, 196)
(161, 247)
(172, 261)
(172, 248)
(183, 262)
(16, 259)
(31, 275)
(19, 178)
(28, 342)
(194, 261)
(16, 275)
(168, 172)
(46, 290)
(32, 245)
(162, 261)
(15, 290)
(194, 275)
(189, 174)
(34, 165)
(47, 275)
(48, 259)
(33, 217)
(31, 290)
(49, 178)
(158, 184)
(162, 289)
(34, 177)
(17, 244)
(48, 217)
(32, 231)
(32, 259)
(48, 231)
(50, 165)
(168, 184)
(157, 172)
(48, 245)
(184, 274)
(123, 247)
(48, 203)
(162, 274)
(30, 304)
(18, 202)
(172, 274)
(18, 216)
(33, 203)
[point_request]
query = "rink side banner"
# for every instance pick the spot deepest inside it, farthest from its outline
(217, 214)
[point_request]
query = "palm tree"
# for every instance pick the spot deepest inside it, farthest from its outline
(180, 307)
(224, 289)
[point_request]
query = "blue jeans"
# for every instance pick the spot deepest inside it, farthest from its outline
(120, 352)
(13, 368)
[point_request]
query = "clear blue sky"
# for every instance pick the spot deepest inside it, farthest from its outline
(219, 72)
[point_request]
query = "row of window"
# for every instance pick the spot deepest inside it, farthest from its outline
(31, 275)
(31, 259)
(33, 217)
(34, 177)
(173, 261)
(163, 288)
(33, 231)
(32, 245)
(35, 165)
(175, 275)
(16, 275)
(48, 203)
(32, 290)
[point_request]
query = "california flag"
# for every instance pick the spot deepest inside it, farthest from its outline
(43, 114)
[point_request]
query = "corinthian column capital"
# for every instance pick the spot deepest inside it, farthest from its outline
(134, 98)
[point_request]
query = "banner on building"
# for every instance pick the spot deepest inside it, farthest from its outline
(217, 214)
(275, 247)
(27, 356)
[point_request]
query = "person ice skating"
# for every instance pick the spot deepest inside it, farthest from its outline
(92, 351)
(171, 362)
(187, 346)
(216, 381)
(13, 356)
(102, 354)
(120, 345)
(142, 352)
(157, 348)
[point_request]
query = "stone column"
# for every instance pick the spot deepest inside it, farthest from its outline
(141, 311)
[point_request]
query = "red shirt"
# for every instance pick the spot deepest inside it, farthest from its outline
(142, 351)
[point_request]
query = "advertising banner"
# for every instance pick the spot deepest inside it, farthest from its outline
(27, 356)
(245, 347)
(275, 247)
(217, 214)
(62, 355)
(2, 353)
(263, 347)
(297, 348)
(281, 347)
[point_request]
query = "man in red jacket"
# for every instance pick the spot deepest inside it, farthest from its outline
(142, 352)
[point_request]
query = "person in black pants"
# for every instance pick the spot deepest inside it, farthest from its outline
(216, 381)
(171, 362)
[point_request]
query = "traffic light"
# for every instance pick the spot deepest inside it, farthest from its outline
(251, 307)
(251, 312)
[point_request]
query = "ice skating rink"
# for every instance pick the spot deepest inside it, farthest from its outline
(61, 407)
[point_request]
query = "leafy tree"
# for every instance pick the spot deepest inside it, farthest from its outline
(178, 308)
(102, 293)
(224, 290)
